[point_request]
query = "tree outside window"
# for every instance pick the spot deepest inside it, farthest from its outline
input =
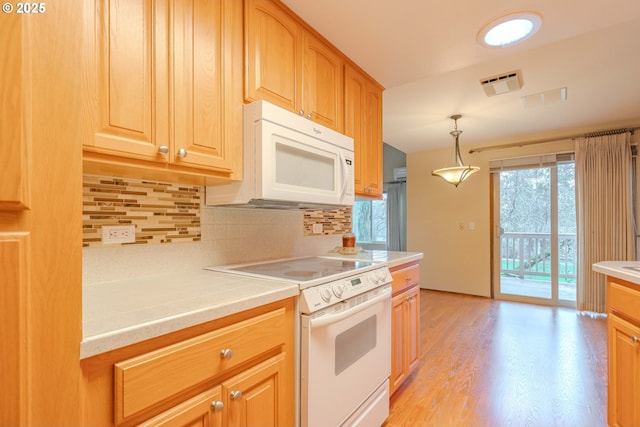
(370, 220)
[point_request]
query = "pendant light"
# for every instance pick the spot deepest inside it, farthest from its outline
(458, 173)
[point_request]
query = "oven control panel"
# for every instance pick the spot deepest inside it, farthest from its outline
(324, 295)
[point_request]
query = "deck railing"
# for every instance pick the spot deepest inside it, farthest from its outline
(528, 255)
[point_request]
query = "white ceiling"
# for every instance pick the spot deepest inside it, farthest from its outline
(426, 55)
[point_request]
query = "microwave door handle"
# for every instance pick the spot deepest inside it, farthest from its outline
(343, 171)
(329, 319)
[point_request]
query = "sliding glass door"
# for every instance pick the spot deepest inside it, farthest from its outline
(534, 248)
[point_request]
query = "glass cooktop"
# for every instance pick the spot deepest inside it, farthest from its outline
(300, 269)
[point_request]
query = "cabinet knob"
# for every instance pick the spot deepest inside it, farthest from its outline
(301, 112)
(408, 278)
(226, 354)
(235, 395)
(182, 153)
(635, 339)
(308, 116)
(163, 149)
(217, 406)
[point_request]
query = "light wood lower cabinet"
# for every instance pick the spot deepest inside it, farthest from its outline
(623, 334)
(248, 399)
(235, 371)
(253, 398)
(405, 324)
(204, 410)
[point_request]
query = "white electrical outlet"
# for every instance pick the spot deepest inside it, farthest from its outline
(118, 233)
(317, 229)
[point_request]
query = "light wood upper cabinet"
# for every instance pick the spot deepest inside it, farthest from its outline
(363, 122)
(322, 96)
(130, 85)
(166, 92)
(207, 63)
(288, 65)
(272, 67)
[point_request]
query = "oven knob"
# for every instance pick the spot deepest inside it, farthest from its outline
(338, 289)
(325, 294)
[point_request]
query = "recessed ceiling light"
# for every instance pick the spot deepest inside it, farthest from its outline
(510, 29)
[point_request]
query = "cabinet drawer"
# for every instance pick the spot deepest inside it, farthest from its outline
(149, 378)
(405, 277)
(624, 300)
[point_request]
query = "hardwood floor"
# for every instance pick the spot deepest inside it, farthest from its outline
(495, 363)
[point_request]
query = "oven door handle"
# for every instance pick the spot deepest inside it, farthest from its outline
(329, 319)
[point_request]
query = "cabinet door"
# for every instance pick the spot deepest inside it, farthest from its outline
(272, 53)
(412, 329)
(323, 77)
(254, 397)
(128, 81)
(373, 140)
(397, 341)
(624, 372)
(203, 410)
(14, 185)
(14, 286)
(363, 122)
(207, 93)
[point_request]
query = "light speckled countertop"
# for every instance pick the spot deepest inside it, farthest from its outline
(389, 258)
(625, 270)
(117, 314)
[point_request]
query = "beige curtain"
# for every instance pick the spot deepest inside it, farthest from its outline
(604, 212)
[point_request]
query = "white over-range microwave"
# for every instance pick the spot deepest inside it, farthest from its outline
(289, 162)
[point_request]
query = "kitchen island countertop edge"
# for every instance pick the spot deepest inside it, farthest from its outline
(625, 270)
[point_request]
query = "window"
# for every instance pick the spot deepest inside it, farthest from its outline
(370, 221)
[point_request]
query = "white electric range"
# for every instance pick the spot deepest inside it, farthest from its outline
(344, 337)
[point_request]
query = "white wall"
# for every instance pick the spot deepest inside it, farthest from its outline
(229, 236)
(456, 260)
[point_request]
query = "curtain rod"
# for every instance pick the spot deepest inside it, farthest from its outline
(542, 141)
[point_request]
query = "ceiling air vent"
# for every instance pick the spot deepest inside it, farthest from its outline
(502, 83)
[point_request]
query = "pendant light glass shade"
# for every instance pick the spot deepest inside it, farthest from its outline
(458, 173)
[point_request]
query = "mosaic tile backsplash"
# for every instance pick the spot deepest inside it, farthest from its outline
(166, 213)
(161, 212)
(336, 221)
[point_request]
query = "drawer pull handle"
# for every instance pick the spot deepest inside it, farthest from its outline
(235, 395)
(226, 354)
(635, 339)
(217, 406)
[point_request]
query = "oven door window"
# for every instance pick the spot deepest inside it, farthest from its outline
(354, 343)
